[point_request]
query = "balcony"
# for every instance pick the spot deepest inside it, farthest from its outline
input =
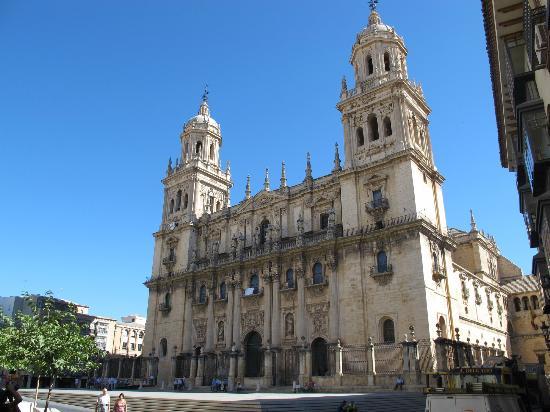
(248, 292)
(375, 271)
(169, 261)
(311, 284)
(377, 207)
(165, 307)
(438, 275)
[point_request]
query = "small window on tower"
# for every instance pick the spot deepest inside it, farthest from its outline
(185, 201)
(370, 66)
(387, 127)
(387, 61)
(171, 205)
(198, 148)
(360, 136)
(323, 221)
(211, 203)
(212, 151)
(373, 128)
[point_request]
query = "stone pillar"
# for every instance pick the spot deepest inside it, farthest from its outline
(200, 369)
(441, 354)
(232, 369)
(188, 319)
(237, 315)
(333, 314)
(268, 371)
(241, 368)
(210, 321)
(133, 368)
(308, 364)
(229, 314)
(300, 319)
(302, 364)
(119, 368)
(276, 312)
(371, 363)
(267, 309)
(193, 371)
(338, 370)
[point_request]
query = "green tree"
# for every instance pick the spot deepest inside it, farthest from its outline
(48, 342)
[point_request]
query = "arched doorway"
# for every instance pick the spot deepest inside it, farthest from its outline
(319, 357)
(253, 355)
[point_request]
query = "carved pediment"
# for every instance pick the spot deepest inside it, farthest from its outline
(375, 180)
(260, 200)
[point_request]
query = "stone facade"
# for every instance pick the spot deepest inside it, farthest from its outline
(128, 336)
(313, 279)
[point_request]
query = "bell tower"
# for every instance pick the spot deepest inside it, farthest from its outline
(385, 112)
(196, 185)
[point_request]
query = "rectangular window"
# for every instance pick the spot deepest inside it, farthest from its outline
(132, 346)
(124, 345)
(377, 198)
(139, 346)
(323, 220)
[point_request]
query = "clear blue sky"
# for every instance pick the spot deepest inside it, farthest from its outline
(93, 96)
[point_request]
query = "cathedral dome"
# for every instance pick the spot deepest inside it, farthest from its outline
(376, 26)
(202, 118)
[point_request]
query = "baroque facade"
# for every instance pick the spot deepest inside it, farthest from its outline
(267, 290)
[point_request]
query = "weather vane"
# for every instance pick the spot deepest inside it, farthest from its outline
(373, 4)
(205, 94)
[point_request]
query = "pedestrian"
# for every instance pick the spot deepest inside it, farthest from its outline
(343, 406)
(239, 386)
(120, 404)
(399, 383)
(10, 398)
(103, 402)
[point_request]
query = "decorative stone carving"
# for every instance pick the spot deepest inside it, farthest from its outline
(289, 325)
(200, 329)
(319, 317)
(252, 320)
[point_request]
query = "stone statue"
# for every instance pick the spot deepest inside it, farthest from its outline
(331, 218)
(300, 225)
(289, 325)
(221, 332)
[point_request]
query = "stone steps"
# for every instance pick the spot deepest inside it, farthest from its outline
(373, 402)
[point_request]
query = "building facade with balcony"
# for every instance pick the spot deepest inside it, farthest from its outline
(517, 45)
(266, 290)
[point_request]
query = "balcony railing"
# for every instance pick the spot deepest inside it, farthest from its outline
(382, 271)
(169, 260)
(378, 206)
(165, 307)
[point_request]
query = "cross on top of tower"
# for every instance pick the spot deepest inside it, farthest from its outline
(373, 4)
(205, 94)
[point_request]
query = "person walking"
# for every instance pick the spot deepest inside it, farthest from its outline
(120, 404)
(103, 402)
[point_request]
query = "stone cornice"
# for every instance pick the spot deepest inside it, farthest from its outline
(483, 325)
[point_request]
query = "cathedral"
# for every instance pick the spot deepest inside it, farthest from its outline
(327, 279)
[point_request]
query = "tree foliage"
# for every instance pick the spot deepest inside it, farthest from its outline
(48, 341)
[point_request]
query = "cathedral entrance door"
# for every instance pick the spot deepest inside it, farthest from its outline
(291, 367)
(319, 357)
(253, 355)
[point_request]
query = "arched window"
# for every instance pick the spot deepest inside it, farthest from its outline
(360, 136)
(202, 294)
(388, 331)
(167, 299)
(370, 66)
(534, 302)
(212, 151)
(517, 304)
(317, 273)
(178, 200)
(373, 128)
(186, 150)
(223, 291)
(218, 206)
(525, 301)
(171, 205)
(263, 231)
(387, 61)
(289, 279)
(185, 201)
(387, 127)
(319, 357)
(198, 148)
(255, 283)
(163, 347)
(381, 262)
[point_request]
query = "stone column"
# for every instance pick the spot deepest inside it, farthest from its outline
(193, 371)
(232, 369)
(371, 363)
(237, 314)
(441, 355)
(276, 312)
(188, 319)
(268, 374)
(210, 321)
(200, 369)
(308, 364)
(300, 320)
(241, 367)
(333, 314)
(133, 368)
(338, 363)
(119, 368)
(229, 314)
(302, 365)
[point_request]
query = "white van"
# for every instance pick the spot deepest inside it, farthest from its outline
(471, 402)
